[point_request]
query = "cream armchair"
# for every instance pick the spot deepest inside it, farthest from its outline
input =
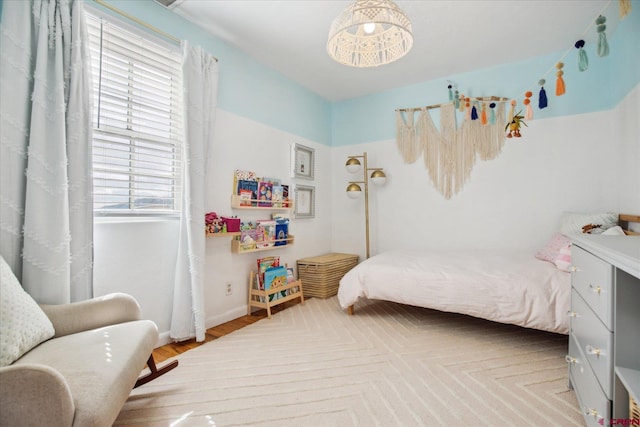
(85, 373)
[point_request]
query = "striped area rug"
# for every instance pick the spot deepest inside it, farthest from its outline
(387, 365)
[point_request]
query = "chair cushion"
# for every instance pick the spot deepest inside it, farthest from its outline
(23, 324)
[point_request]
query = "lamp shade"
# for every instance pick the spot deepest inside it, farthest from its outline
(378, 177)
(353, 165)
(354, 191)
(370, 33)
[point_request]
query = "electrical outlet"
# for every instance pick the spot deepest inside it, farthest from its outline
(229, 290)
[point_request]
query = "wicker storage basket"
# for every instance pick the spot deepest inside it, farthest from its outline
(634, 409)
(321, 275)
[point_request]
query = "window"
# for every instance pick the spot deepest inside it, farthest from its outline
(137, 122)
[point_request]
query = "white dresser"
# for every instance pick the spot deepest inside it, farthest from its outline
(604, 342)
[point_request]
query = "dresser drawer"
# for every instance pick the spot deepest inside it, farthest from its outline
(595, 340)
(593, 279)
(594, 405)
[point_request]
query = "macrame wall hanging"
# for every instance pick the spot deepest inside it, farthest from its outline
(450, 152)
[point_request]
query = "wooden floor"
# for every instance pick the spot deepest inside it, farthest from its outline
(165, 352)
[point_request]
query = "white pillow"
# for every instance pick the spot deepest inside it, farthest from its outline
(614, 231)
(23, 324)
(572, 222)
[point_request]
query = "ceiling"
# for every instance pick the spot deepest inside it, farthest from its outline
(450, 37)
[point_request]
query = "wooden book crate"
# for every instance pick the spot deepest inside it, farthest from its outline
(261, 298)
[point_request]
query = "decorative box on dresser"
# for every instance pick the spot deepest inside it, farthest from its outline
(604, 341)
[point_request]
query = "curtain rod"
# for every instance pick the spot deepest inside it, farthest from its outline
(140, 22)
(479, 98)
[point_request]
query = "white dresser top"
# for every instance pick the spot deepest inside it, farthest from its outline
(622, 252)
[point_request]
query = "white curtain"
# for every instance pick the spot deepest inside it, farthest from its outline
(200, 74)
(46, 216)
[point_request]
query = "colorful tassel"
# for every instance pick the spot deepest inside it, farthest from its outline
(450, 93)
(492, 113)
(583, 61)
(603, 46)
(483, 115)
(512, 111)
(456, 100)
(560, 85)
(467, 105)
(625, 7)
(461, 104)
(528, 115)
(474, 112)
(542, 97)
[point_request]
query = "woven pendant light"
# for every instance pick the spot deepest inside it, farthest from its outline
(370, 33)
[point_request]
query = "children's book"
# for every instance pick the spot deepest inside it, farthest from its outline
(275, 277)
(264, 264)
(278, 196)
(266, 233)
(285, 196)
(248, 191)
(240, 175)
(265, 193)
(282, 232)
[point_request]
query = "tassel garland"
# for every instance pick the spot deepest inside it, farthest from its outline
(603, 46)
(450, 93)
(542, 97)
(583, 61)
(560, 85)
(456, 100)
(492, 113)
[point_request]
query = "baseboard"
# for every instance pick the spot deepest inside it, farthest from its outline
(210, 322)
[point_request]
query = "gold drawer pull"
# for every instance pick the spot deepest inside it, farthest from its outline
(596, 289)
(594, 351)
(574, 269)
(572, 313)
(592, 413)
(570, 359)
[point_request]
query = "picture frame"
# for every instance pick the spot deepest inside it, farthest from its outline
(305, 205)
(302, 161)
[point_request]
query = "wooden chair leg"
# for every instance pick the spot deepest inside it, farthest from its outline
(155, 372)
(350, 310)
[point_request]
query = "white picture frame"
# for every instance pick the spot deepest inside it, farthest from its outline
(305, 201)
(302, 161)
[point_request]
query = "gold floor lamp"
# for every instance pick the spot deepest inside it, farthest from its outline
(354, 190)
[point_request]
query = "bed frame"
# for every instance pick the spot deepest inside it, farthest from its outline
(623, 221)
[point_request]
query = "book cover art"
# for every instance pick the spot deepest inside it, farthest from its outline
(265, 194)
(274, 278)
(285, 196)
(277, 197)
(282, 232)
(240, 175)
(246, 189)
(266, 233)
(264, 264)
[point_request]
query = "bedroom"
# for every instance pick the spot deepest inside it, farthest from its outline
(581, 158)
(530, 182)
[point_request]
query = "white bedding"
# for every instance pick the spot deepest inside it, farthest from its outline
(504, 287)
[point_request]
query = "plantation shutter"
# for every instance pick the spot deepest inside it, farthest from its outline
(138, 124)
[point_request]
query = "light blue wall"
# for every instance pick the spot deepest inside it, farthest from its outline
(607, 81)
(252, 90)
(246, 87)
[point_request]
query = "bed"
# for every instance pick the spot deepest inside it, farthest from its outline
(507, 287)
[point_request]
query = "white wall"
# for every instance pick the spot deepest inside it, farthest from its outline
(579, 163)
(626, 134)
(138, 257)
(576, 163)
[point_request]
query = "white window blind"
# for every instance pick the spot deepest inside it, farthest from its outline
(138, 131)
